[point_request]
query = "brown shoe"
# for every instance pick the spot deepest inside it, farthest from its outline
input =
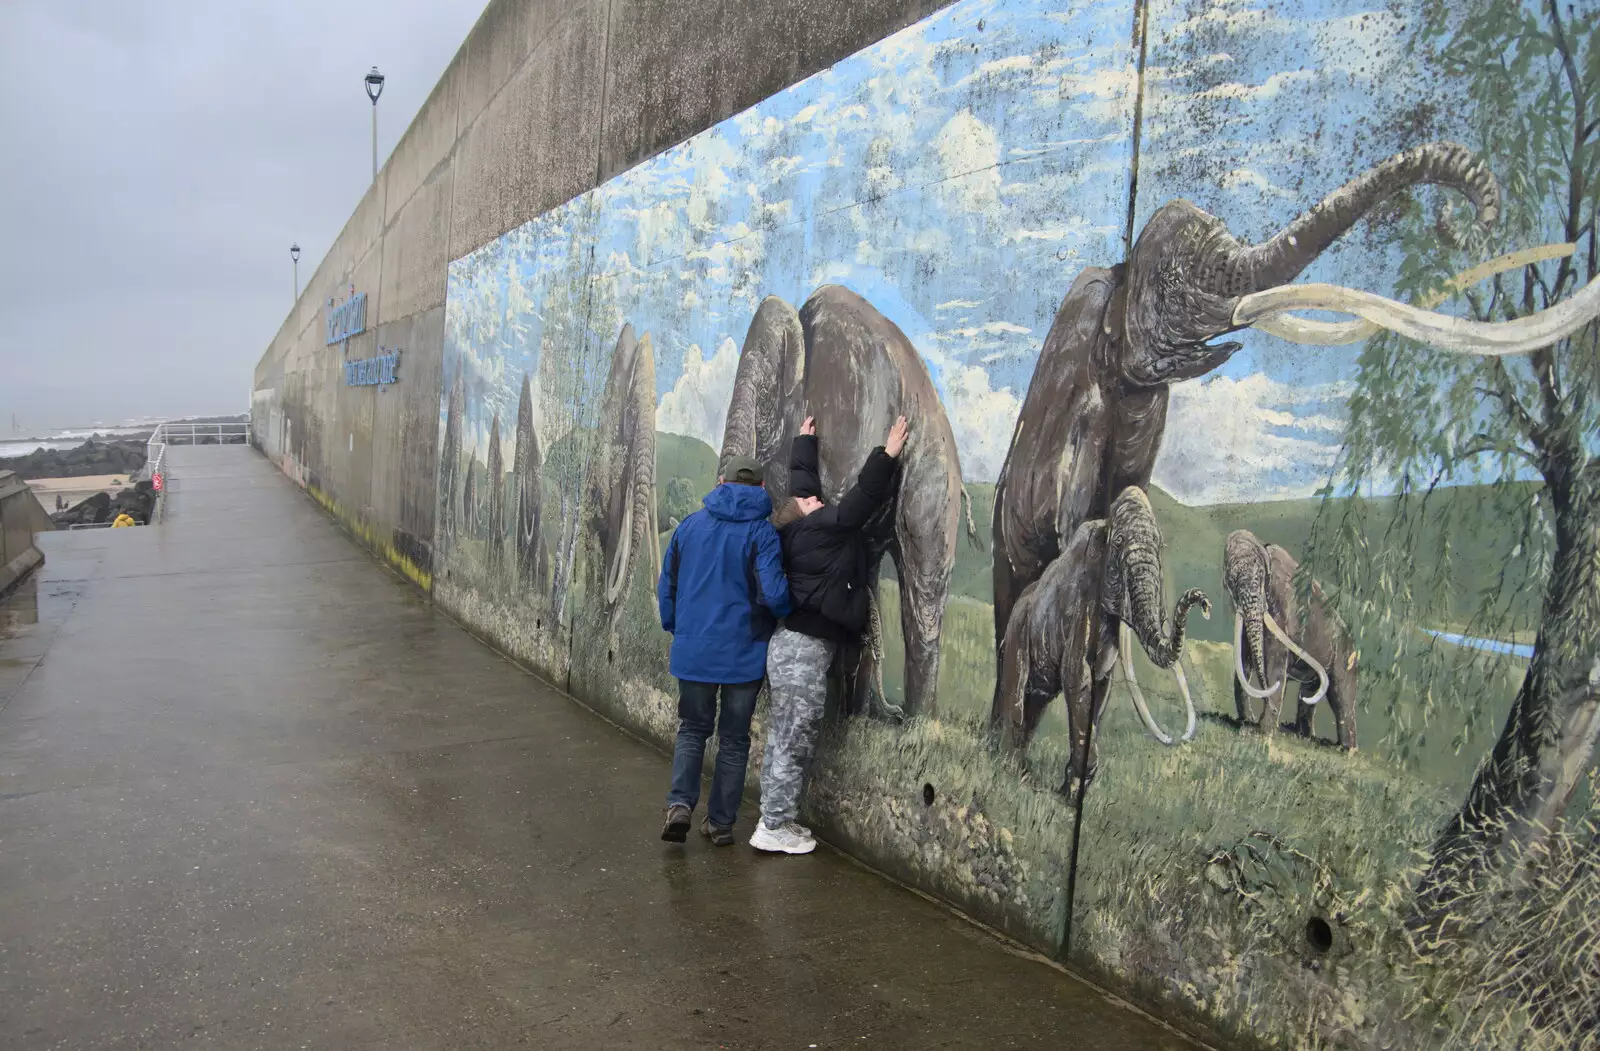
(676, 830)
(720, 835)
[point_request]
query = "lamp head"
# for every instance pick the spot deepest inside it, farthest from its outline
(374, 82)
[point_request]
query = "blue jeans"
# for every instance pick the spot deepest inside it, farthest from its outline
(697, 713)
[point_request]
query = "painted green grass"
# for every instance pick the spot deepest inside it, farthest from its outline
(1200, 867)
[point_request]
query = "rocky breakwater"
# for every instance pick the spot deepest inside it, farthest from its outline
(137, 502)
(98, 462)
(89, 459)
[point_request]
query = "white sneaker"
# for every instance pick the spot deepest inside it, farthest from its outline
(782, 840)
(797, 828)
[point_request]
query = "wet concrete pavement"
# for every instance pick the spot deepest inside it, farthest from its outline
(256, 793)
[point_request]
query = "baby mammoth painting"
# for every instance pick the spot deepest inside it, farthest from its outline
(1274, 640)
(1069, 627)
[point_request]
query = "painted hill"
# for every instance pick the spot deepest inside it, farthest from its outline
(1194, 536)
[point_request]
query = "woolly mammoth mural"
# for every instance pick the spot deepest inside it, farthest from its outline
(919, 211)
(1069, 626)
(1314, 650)
(622, 476)
(1096, 408)
(841, 361)
(1095, 412)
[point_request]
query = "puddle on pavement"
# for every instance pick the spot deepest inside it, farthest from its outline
(20, 609)
(35, 602)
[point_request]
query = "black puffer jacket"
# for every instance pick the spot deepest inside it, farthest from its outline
(825, 553)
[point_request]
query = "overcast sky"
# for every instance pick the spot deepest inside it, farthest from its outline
(160, 157)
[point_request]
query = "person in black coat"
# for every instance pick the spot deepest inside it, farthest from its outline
(825, 558)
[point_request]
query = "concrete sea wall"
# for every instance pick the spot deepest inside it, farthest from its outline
(1199, 504)
(21, 519)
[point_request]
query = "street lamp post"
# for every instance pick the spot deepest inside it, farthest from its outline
(374, 84)
(294, 255)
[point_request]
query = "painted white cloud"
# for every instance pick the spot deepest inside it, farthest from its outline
(981, 418)
(969, 158)
(1267, 89)
(697, 405)
(1073, 227)
(1247, 440)
(1101, 95)
(993, 328)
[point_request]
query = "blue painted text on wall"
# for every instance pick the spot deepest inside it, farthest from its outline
(380, 371)
(347, 319)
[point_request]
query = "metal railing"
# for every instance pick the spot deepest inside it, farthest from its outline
(169, 434)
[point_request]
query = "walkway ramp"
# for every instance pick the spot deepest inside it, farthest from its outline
(255, 792)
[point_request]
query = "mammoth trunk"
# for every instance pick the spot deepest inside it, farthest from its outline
(768, 381)
(739, 433)
(1250, 601)
(1232, 269)
(1144, 597)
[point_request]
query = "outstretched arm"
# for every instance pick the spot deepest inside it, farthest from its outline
(874, 485)
(804, 477)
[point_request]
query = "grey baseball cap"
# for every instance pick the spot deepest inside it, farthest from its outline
(743, 471)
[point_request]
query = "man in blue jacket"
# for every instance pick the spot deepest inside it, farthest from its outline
(721, 593)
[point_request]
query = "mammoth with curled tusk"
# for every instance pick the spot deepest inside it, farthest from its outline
(1096, 408)
(1313, 649)
(622, 475)
(1068, 628)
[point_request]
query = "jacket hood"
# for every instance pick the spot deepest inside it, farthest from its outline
(738, 503)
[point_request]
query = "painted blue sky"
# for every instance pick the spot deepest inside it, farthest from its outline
(959, 175)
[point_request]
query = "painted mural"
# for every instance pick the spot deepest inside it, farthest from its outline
(1237, 628)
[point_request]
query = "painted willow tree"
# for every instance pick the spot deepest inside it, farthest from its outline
(469, 500)
(450, 458)
(530, 549)
(1520, 430)
(495, 505)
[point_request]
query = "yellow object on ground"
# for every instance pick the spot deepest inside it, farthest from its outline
(123, 521)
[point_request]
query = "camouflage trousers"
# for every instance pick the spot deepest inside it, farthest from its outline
(797, 680)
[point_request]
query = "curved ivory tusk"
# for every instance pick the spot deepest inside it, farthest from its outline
(616, 572)
(1322, 673)
(1339, 333)
(1188, 702)
(1125, 643)
(1458, 335)
(1238, 663)
(653, 537)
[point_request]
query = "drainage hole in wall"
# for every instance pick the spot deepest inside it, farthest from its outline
(1319, 934)
(538, 623)
(611, 656)
(927, 795)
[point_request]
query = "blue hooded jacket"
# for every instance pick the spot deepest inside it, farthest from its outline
(722, 587)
